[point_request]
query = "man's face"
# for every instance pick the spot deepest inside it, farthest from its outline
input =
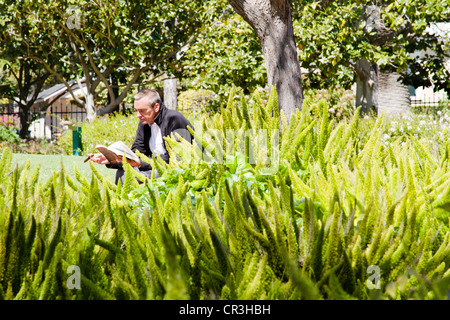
(146, 113)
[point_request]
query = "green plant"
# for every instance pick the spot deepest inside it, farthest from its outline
(103, 130)
(341, 102)
(8, 135)
(34, 146)
(339, 205)
(9, 120)
(230, 56)
(200, 99)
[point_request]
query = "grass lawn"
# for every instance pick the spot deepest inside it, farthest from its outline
(52, 163)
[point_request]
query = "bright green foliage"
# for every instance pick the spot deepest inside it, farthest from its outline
(338, 205)
(230, 55)
(103, 130)
(77, 39)
(7, 134)
(333, 35)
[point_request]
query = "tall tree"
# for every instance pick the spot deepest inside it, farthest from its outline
(272, 22)
(343, 42)
(107, 38)
(22, 78)
(230, 56)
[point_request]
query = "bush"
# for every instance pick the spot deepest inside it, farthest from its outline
(10, 139)
(103, 130)
(11, 121)
(202, 99)
(420, 126)
(34, 146)
(8, 135)
(340, 101)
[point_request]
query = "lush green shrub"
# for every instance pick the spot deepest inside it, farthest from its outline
(230, 55)
(34, 146)
(341, 102)
(201, 99)
(8, 135)
(419, 126)
(103, 130)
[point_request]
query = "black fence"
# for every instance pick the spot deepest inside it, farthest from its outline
(48, 124)
(432, 105)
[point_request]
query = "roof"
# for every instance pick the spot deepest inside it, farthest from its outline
(55, 91)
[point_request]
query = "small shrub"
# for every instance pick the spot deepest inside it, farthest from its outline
(341, 102)
(202, 99)
(103, 130)
(420, 126)
(11, 121)
(33, 146)
(8, 135)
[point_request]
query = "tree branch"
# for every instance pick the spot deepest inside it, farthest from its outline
(59, 77)
(37, 90)
(385, 35)
(89, 55)
(12, 71)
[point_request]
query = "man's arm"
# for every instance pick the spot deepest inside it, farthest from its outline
(139, 141)
(138, 144)
(115, 164)
(179, 125)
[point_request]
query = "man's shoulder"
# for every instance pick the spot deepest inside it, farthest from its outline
(173, 113)
(177, 116)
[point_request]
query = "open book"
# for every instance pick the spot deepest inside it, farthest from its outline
(117, 148)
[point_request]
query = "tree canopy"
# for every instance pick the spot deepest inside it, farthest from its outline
(112, 45)
(22, 78)
(95, 41)
(225, 54)
(333, 35)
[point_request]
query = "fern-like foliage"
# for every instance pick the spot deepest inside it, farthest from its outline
(340, 205)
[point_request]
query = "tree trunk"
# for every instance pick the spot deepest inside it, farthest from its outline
(394, 97)
(272, 22)
(366, 87)
(116, 102)
(24, 121)
(115, 89)
(29, 87)
(170, 92)
(371, 94)
(90, 107)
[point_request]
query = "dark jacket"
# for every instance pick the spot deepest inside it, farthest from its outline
(168, 121)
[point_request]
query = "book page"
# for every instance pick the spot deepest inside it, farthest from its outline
(109, 155)
(120, 149)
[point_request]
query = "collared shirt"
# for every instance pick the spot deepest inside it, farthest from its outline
(168, 121)
(156, 142)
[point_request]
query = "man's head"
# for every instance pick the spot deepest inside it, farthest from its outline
(147, 104)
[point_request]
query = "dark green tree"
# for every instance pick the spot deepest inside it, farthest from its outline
(343, 42)
(22, 78)
(112, 45)
(225, 54)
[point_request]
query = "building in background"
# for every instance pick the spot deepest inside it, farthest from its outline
(54, 119)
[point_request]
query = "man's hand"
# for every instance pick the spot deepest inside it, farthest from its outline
(97, 158)
(101, 159)
(130, 162)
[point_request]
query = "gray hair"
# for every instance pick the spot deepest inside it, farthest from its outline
(151, 95)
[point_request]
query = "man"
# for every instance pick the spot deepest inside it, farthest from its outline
(156, 121)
